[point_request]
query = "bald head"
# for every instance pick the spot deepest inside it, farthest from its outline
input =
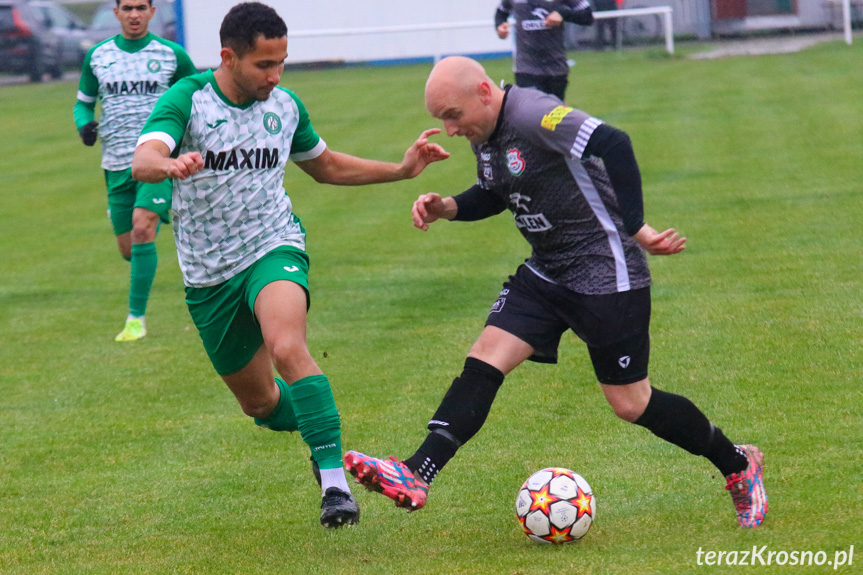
(455, 74)
(460, 93)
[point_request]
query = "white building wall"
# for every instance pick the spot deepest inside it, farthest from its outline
(341, 23)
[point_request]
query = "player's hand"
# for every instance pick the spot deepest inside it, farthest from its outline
(503, 31)
(553, 20)
(185, 165)
(429, 208)
(89, 132)
(666, 243)
(421, 154)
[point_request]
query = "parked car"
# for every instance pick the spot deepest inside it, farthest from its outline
(27, 46)
(163, 24)
(67, 27)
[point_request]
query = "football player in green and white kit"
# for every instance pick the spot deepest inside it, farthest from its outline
(128, 73)
(225, 137)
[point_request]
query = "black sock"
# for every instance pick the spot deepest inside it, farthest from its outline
(677, 420)
(459, 417)
(435, 451)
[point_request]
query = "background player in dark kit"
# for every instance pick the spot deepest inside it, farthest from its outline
(540, 50)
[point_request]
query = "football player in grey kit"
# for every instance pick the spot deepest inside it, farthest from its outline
(540, 51)
(574, 188)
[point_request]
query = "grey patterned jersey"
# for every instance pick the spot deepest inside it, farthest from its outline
(234, 210)
(539, 50)
(562, 202)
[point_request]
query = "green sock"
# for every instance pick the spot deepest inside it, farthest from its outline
(282, 418)
(318, 419)
(144, 261)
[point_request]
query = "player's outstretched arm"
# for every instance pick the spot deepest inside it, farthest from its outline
(429, 208)
(152, 163)
(345, 170)
(422, 153)
(665, 243)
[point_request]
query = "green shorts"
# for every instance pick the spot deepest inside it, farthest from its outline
(126, 194)
(225, 314)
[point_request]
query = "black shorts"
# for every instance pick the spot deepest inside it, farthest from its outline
(614, 326)
(549, 84)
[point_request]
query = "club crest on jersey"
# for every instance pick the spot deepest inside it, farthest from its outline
(272, 123)
(555, 117)
(515, 162)
(498, 305)
(154, 66)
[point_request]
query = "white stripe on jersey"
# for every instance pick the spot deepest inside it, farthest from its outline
(582, 5)
(584, 133)
(539, 274)
(594, 200)
(163, 137)
(311, 154)
(85, 98)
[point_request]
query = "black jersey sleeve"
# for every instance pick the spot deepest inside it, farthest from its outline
(615, 149)
(475, 204)
(502, 13)
(578, 12)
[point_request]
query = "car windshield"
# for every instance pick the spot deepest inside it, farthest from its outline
(7, 21)
(104, 18)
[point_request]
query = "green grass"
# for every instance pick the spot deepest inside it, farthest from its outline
(136, 458)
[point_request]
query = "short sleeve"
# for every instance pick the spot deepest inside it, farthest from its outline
(305, 137)
(185, 66)
(170, 116)
(88, 85)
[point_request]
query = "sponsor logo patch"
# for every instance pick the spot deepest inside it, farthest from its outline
(553, 118)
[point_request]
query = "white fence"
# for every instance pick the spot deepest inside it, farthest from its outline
(663, 11)
(410, 30)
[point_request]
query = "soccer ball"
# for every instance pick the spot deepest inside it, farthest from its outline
(555, 505)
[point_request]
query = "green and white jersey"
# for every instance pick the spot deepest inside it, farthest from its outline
(235, 209)
(128, 76)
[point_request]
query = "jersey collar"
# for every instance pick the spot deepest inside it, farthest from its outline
(132, 46)
(500, 114)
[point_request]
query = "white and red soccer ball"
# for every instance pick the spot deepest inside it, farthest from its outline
(555, 505)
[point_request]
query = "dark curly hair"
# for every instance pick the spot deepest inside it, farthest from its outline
(245, 22)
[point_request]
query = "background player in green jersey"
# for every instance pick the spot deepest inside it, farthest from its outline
(128, 73)
(225, 137)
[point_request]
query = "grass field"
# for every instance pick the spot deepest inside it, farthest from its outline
(135, 458)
